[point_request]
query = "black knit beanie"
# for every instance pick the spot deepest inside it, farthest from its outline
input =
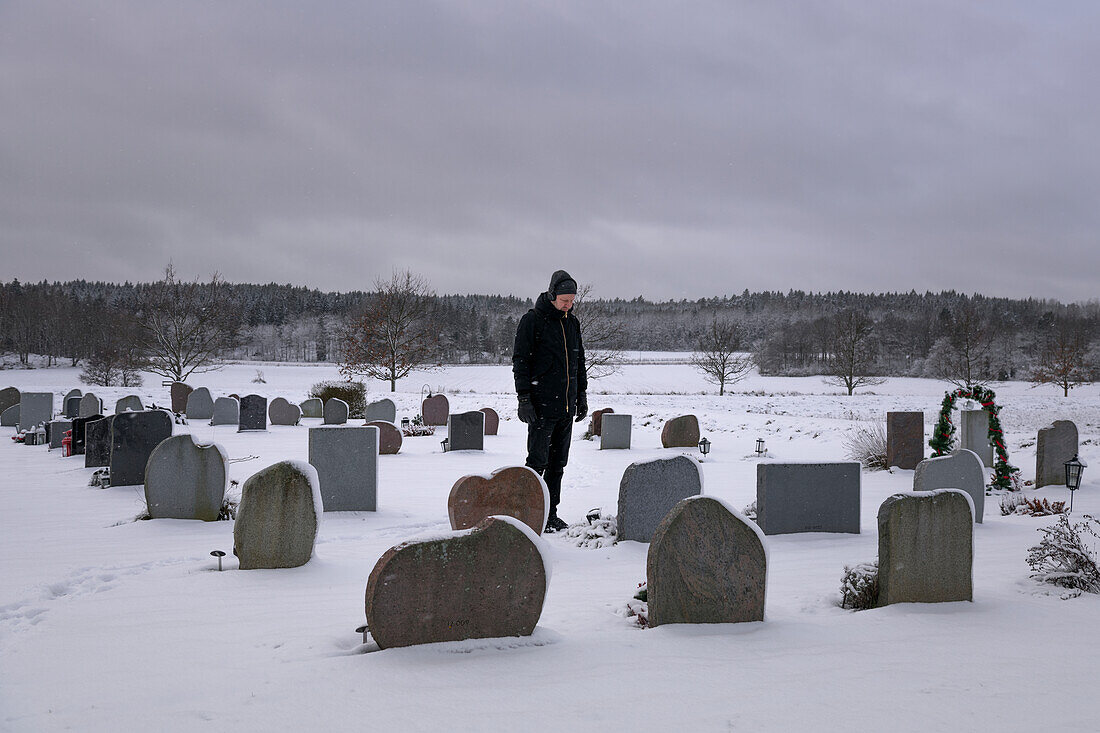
(561, 284)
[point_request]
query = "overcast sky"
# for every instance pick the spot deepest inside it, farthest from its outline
(660, 149)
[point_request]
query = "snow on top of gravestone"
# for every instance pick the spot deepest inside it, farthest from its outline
(307, 469)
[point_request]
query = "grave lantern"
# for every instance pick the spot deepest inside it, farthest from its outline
(1074, 468)
(704, 446)
(404, 423)
(445, 443)
(760, 450)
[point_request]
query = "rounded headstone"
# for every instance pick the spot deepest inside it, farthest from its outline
(227, 411)
(71, 406)
(282, 412)
(335, 411)
(90, 405)
(253, 413)
(389, 437)
(962, 470)
(597, 421)
(649, 490)
(184, 480)
(278, 518)
(200, 405)
(514, 491)
(313, 407)
(681, 432)
(9, 397)
(129, 403)
(9, 418)
(492, 420)
(435, 410)
(1054, 445)
(383, 409)
(179, 392)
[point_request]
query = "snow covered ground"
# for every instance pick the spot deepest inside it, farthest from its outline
(110, 624)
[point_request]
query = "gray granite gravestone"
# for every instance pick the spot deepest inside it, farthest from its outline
(335, 411)
(134, 435)
(129, 403)
(179, 392)
(184, 480)
(9, 418)
(97, 442)
(226, 411)
(253, 413)
(282, 412)
(597, 421)
(346, 459)
(57, 430)
(615, 431)
(487, 582)
(389, 437)
(681, 432)
(466, 431)
(90, 405)
(706, 565)
(649, 490)
(70, 408)
(9, 397)
(961, 470)
(492, 421)
(35, 408)
(79, 433)
(925, 548)
(435, 410)
(513, 491)
(384, 410)
(200, 405)
(313, 407)
(904, 439)
(74, 392)
(279, 516)
(1056, 444)
(808, 497)
(974, 435)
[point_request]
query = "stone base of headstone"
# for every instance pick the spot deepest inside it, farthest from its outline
(925, 548)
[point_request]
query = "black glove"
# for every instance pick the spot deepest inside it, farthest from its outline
(526, 410)
(582, 407)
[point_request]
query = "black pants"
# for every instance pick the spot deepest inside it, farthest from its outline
(548, 452)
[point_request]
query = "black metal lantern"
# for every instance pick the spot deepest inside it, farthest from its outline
(760, 450)
(1074, 468)
(704, 446)
(446, 444)
(404, 423)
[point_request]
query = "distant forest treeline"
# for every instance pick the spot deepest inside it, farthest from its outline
(789, 333)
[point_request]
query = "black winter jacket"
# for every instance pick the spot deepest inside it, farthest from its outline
(548, 359)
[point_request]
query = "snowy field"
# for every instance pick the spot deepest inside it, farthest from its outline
(111, 624)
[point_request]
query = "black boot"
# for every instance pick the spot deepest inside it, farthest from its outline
(554, 524)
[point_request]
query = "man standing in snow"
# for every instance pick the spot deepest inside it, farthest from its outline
(548, 364)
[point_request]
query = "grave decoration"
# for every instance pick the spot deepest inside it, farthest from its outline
(1004, 473)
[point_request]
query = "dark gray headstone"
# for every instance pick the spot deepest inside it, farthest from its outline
(925, 548)
(808, 497)
(383, 409)
(492, 421)
(97, 442)
(226, 411)
(974, 435)
(253, 413)
(71, 407)
(200, 405)
(313, 407)
(706, 565)
(278, 518)
(389, 437)
(184, 480)
(466, 431)
(35, 408)
(1056, 444)
(281, 412)
(90, 405)
(134, 435)
(9, 418)
(681, 432)
(129, 403)
(179, 392)
(79, 424)
(435, 410)
(615, 431)
(335, 411)
(649, 490)
(9, 397)
(961, 470)
(346, 459)
(904, 439)
(56, 430)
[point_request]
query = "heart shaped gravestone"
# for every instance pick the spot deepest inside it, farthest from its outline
(282, 412)
(514, 491)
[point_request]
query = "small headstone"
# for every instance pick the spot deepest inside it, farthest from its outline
(253, 413)
(383, 409)
(389, 437)
(313, 407)
(200, 405)
(71, 406)
(9, 397)
(97, 442)
(904, 439)
(129, 403)
(961, 470)
(649, 490)
(482, 583)
(615, 431)
(180, 391)
(681, 432)
(435, 410)
(1056, 444)
(808, 497)
(134, 435)
(925, 548)
(72, 393)
(278, 518)
(9, 418)
(466, 431)
(974, 435)
(514, 491)
(492, 420)
(346, 459)
(282, 412)
(79, 433)
(336, 411)
(184, 480)
(597, 420)
(227, 411)
(57, 430)
(90, 405)
(706, 565)
(35, 408)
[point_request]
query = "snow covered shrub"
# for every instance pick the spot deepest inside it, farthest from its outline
(600, 530)
(1063, 557)
(859, 586)
(354, 393)
(259, 378)
(750, 512)
(867, 444)
(637, 608)
(1017, 504)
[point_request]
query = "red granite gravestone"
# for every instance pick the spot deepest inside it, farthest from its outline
(492, 420)
(515, 491)
(180, 392)
(904, 439)
(435, 410)
(681, 432)
(597, 421)
(389, 437)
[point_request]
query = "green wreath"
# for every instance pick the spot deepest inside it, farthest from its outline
(943, 435)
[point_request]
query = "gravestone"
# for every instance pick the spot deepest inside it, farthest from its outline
(492, 420)
(57, 430)
(184, 480)
(72, 393)
(134, 435)
(200, 405)
(706, 565)
(466, 431)
(615, 431)
(681, 432)
(90, 404)
(961, 470)
(278, 518)
(808, 497)
(9, 418)
(514, 491)
(282, 412)
(226, 411)
(79, 433)
(335, 411)
(1056, 444)
(649, 490)
(35, 408)
(179, 392)
(346, 459)
(9, 397)
(974, 435)
(925, 548)
(71, 407)
(313, 407)
(904, 439)
(97, 442)
(483, 583)
(129, 403)
(389, 437)
(252, 414)
(597, 420)
(435, 410)
(384, 410)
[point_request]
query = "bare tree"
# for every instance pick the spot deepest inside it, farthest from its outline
(718, 355)
(600, 329)
(963, 356)
(1063, 361)
(116, 357)
(395, 333)
(852, 359)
